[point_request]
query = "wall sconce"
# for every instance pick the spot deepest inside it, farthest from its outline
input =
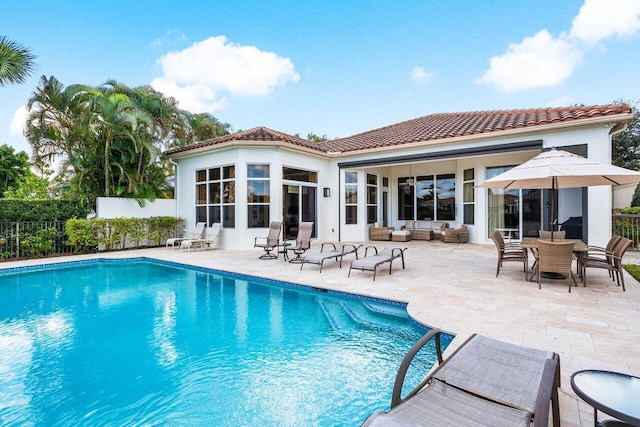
(326, 192)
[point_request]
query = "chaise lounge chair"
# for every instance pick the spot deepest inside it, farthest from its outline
(485, 382)
(195, 233)
(319, 258)
(303, 241)
(371, 262)
(210, 236)
(270, 242)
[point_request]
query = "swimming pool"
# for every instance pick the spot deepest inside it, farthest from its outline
(148, 342)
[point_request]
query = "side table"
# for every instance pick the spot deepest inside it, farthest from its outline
(613, 393)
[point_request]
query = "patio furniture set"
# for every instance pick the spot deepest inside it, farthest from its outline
(554, 258)
(328, 250)
(421, 230)
(201, 237)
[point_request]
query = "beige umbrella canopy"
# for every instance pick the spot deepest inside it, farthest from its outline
(559, 169)
(556, 169)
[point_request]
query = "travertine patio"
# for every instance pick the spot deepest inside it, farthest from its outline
(453, 287)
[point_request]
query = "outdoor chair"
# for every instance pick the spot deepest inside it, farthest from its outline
(612, 262)
(509, 252)
(210, 236)
(379, 232)
(319, 258)
(485, 382)
(270, 242)
(195, 233)
(557, 235)
(600, 254)
(555, 257)
(303, 241)
(372, 262)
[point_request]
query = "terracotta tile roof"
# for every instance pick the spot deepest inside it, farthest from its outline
(450, 125)
(428, 128)
(259, 134)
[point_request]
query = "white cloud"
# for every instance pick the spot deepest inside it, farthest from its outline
(19, 120)
(420, 76)
(563, 101)
(196, 75)
(599, 19)
(172, 37)
(537, 61)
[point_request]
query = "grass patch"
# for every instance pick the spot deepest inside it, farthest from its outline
(634, 270)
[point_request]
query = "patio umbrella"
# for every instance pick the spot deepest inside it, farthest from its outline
(557, 169)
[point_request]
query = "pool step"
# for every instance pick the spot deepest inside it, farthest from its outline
(363, 316)
(398, 311)
(339, 320)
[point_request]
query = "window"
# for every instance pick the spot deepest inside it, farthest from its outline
(468, 197)
(215, 196)
(405, 198)
(372, 198)
(258, 196)
(351, 197)
(504, 207)
(435, 197)
(299, 175)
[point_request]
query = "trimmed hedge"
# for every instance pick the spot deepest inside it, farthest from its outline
(41, 210)
(90, 235)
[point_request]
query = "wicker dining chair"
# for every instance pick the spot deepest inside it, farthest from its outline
(555, 257)
(557, 235)
(509, 252)
(613, 262)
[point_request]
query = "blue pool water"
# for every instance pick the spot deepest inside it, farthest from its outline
(141, 342)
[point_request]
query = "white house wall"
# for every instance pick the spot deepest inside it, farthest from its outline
(242, 237)
(330, 215)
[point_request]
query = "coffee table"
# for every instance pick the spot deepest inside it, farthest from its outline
(613, 393)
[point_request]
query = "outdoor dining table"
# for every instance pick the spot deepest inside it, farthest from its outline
(580, 248)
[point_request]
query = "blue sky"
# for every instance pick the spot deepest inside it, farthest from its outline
(332, 67)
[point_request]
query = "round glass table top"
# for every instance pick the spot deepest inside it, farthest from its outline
(613, 393)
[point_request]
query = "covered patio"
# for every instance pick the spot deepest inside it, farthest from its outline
(453, 287)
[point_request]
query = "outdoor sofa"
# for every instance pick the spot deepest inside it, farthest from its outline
(424, 229)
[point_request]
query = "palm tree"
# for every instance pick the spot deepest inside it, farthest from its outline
(16, 62)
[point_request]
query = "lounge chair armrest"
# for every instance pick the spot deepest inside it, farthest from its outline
(327, 243)
(366, 250)
(350, 247)
(396, 252)
(396, 399)
(547, 392)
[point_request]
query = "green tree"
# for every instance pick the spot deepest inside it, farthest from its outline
(13, 168)
(110, 137)
(32, 187)
(16, 62)
(635, 200)
(626, 145)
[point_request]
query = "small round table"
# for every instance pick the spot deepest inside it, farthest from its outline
(613, 393)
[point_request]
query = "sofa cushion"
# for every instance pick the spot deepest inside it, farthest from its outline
(409, 224)
(423, 225)
(439, 225)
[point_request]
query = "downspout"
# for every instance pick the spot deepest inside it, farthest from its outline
(339, 210)
(176, 194)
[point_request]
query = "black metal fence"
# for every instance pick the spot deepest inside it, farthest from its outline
(27, 239)
(628, 226)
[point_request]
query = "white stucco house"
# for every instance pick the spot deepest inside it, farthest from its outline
(422, 168)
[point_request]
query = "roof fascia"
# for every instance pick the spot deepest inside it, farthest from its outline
(447, 154)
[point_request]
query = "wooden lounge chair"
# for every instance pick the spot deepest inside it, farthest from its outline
(195, 233)
(270, 242)
(303, 241)
(485, 382)
(371, 262)
(509, 252)
(210, 236)
(338, 254)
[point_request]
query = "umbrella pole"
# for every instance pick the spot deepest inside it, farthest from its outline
(552, 214)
